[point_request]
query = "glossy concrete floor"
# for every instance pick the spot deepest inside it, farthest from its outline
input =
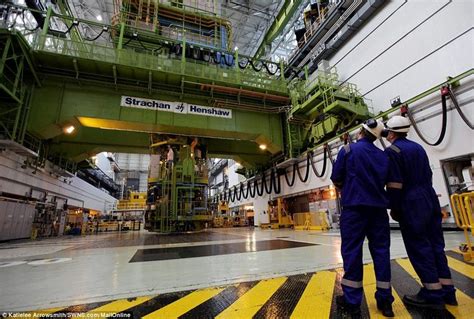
(65, 271)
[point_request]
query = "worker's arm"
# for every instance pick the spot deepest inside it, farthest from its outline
(339, 169)
(394, 184)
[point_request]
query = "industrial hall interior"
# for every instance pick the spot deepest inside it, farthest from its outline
(237, 159)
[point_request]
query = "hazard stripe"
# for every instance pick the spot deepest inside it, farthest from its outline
(249, 304)
(156, 303)
(461, 267)
(220, 302)
(185, 304)
(47, 311)
(404, 284)
(369, 290)
(284, 300)
(120, 305)
(83, 308)
(457, 254)
(465, 308)
(299, 296)
(317, 297)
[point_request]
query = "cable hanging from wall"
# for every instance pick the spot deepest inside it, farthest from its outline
(104, 29)
(237, 193)
(313, 165)
(458, 108)
(276, 181)
(249, 187)
(444, 120)
(243, 63)
(290, 184)
(259, 191)
(306, 175)
(268, 188)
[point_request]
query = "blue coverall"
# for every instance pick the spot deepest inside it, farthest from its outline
(361, 171)
(411, 194)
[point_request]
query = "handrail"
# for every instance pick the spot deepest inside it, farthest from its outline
(462, 206)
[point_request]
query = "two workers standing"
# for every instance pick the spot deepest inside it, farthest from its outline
(399, 178)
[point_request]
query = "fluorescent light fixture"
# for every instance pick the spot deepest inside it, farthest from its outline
(69, 129)
(262, 147)
(99, 17)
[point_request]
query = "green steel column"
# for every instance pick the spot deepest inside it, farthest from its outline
(183, 55)
(120, 44)
(282, 71)
(5, 55)
(237, 69)
(17, 121)
(44, 32)
(281, 20)
(18, 75)
(122, 31)
(306, 72)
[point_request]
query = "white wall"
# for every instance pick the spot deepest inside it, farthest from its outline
(381, 50)
(19, 181)
(406, 55)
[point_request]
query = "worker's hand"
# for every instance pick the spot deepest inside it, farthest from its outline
(395, 214)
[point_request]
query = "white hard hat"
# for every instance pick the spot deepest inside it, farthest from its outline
(374, 127)
(398, 124)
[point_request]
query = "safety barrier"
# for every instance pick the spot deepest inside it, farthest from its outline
(463, 207)
(311, 221)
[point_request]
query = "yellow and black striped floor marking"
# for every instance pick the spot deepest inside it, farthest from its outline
(299, 296)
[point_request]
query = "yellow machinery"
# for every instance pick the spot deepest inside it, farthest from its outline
(135, 200)
(221, 218)
(463, 207)
(311, 221)
(279, 217)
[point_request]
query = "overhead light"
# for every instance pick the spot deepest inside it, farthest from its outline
(69, 129)
(236, 48)
(99, 18)
(262, 147)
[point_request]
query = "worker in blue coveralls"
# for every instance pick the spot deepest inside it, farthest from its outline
(414, 204)
(360, 173)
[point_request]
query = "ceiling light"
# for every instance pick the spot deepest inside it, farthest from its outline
(262, 147)
(69, 129)
(99, 18)
(236, 48)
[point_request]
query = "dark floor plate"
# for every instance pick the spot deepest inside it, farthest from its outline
(153, 254)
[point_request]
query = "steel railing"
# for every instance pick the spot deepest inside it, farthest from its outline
(463, 207)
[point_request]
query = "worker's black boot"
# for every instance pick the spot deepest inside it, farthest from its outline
(418, 301)
(350, 309)
(385, 308)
